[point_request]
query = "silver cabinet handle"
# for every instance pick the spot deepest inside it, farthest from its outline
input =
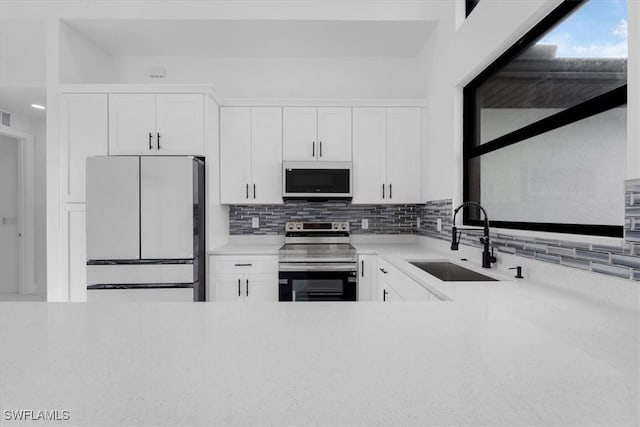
(383, 270)
(158, 139)
(150, 138)
(247, 287)
(254, 191)
(384, 294)
(362, 268)
(246, 192)
(243, 265)
(320, 148)
(313, 149)
(390, 191)
(383, 191)
(239, 292)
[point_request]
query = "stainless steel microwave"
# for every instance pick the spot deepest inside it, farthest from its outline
(309, 180)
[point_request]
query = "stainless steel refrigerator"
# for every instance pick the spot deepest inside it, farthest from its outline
(145, 228)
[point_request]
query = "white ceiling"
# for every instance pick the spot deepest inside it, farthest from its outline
(18, 100)
(256, 38)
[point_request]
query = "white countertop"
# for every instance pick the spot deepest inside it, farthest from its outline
(499, 353)
(538, 360)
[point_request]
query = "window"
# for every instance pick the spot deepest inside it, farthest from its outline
(545, 125)
(469, 5)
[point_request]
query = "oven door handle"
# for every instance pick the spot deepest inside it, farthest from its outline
(292, 267)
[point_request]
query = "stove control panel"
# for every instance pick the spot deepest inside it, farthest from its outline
(317, 226)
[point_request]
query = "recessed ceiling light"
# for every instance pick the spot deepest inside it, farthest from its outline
(39, 107)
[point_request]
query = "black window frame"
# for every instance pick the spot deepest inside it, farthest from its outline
(469, 5)
(472, 149)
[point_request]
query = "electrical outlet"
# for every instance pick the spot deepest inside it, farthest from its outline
(365, 224)
(418, 222)
(255, 222)
(439, 224)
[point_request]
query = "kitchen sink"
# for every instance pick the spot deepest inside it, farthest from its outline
(449, 272)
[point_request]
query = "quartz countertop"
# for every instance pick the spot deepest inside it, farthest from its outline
(514, 352)
(551, 360)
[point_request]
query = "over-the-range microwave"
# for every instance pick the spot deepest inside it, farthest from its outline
(312, 180)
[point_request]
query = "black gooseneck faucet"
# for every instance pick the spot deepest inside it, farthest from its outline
(487, 256)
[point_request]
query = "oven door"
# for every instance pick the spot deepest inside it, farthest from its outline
(321, 284)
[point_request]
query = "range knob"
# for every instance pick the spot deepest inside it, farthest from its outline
(343, 226)
(298, 226)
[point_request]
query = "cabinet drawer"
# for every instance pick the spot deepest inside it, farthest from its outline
(261, 264)
(407, 288)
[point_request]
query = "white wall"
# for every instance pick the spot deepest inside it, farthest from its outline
(37, 128)
(80, 60)
(284, 77)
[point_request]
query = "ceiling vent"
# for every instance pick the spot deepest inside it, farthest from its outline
(157, 72)
(6, 118)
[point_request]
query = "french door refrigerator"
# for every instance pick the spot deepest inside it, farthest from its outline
(145, 228)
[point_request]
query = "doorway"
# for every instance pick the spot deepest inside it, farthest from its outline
(9, 211)
(17, 243)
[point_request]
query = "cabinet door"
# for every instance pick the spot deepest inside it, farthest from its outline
(166, 207)
(84, 130)
(266, 155)
(132, 124)
(73, 242)
(367, 277)
(299, 133)
(369, 155)
(334, 134)
(261, 287)
(235, 154)
(228, 287)
(180, 124)
(391, 295)
(403, 155)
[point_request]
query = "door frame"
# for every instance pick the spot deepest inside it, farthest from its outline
(26, 207)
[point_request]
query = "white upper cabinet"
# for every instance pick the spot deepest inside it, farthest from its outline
(266, 155)
(386, 155)
(235, 154)
(250, 155)
(403, 155)
(311, 133)
(84, 129)
(156, 124)
(299, 133)
(369, 155)
(334, 134)
(180, 124)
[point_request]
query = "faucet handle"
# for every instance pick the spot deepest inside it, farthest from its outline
(493, 257)
(518, 272)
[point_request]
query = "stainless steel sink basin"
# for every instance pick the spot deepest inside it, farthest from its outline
(449, 272)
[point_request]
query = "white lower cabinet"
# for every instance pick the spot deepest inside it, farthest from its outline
(393, 285)
(243, 278)
(367, 277)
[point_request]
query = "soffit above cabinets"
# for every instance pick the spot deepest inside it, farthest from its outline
(256, 38)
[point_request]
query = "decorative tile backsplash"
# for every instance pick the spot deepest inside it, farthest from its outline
(615, 260)
(383, 219)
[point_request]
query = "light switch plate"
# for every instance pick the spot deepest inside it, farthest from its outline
(439, 224)
(365, 224)
(255, 222)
